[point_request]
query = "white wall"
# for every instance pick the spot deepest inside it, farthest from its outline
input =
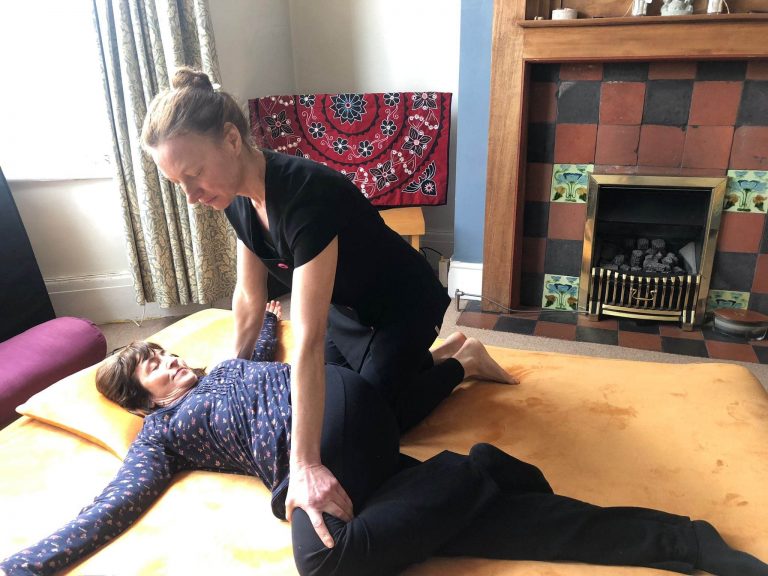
(76, 231)
(382, 46)
(74, 226)
(375, 45)
(264, 47)
(253, 40)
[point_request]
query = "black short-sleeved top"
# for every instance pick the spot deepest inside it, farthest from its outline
(379, 275)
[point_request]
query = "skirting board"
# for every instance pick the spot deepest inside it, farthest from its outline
(108, 298)
(467, 277)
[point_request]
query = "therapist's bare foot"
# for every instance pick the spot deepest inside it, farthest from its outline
(478, 364)
(449, 347)
(275, 307)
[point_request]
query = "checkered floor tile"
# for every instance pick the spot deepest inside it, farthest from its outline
(704, 342)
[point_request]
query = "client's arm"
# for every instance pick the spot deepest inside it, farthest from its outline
(266, 345)
(145, 473)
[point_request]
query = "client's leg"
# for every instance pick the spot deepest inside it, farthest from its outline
(529, 522)
(716, 557)
(360, 438)
(411, 511)
(481, 505)
(404, 522)
(548, 527)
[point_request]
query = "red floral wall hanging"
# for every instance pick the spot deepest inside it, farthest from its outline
(393, 146)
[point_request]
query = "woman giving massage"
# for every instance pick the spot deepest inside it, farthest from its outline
(487, 504)
(359, 292)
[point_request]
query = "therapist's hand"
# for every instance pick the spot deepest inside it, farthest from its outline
(314, 489)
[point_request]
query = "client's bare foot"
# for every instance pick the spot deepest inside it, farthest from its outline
(478, 363)
(449, 347)
(274, 307)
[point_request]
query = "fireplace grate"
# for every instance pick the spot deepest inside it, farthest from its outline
(684, 212)
(644, 296)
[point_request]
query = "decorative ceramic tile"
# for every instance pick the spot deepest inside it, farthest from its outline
(570, 182)
(560, 292)
(747, 191)
(727, 299)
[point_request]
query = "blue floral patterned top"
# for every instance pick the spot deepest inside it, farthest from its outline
(237, 419)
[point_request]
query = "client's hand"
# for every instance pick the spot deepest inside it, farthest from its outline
(315, 490)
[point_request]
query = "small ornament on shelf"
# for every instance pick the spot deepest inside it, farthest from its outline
(640, 7)
(677, 8)
(715, 6)
(564, 13)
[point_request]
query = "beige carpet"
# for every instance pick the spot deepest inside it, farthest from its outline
(122, 333)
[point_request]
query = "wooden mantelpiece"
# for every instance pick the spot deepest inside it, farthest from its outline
(645, 38)
(644, 20)
(518, 43)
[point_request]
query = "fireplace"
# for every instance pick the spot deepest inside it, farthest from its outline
(649, 245)
(671, 47)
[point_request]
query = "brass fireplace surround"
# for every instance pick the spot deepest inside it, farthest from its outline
(594, 279)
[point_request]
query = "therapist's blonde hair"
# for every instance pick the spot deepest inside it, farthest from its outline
(192, 106)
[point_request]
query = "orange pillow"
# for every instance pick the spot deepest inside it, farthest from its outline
(73, 404)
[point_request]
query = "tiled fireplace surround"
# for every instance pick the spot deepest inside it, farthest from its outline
(707, 118)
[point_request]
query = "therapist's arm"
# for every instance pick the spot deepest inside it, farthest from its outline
(249, 300)
(312, 487)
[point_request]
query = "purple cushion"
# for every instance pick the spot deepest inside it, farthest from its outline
(45, 354)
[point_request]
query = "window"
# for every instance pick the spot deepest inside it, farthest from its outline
(53, 119)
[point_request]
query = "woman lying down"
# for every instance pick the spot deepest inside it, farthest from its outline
(486, 504)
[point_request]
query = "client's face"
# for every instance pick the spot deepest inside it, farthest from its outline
(165, 375)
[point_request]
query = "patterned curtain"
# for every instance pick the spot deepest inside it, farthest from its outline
(179, 254)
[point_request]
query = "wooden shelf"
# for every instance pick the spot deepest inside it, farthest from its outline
(644, 20)
(644, 38)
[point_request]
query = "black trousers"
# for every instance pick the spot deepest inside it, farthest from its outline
(485, 504)
(394, 358)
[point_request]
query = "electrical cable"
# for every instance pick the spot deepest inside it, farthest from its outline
(432, 249)
(458, 294)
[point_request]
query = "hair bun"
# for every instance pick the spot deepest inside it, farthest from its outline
(189, 78)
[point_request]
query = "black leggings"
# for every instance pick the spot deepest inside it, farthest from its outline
(394, 358)
(486, 504)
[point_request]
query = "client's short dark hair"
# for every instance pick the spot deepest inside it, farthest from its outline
(116, 377)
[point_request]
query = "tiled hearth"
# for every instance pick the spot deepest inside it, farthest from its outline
(659, 337)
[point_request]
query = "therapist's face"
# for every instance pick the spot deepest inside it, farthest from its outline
(206, 168)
